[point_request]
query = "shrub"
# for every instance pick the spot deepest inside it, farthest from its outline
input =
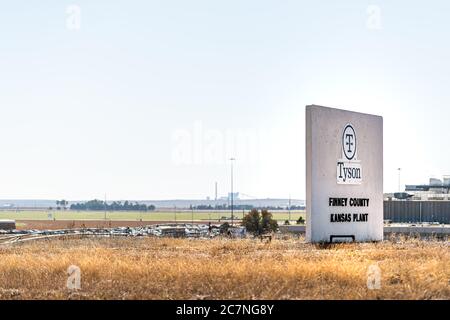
(257, 222)
(300, 220)
(224, 228)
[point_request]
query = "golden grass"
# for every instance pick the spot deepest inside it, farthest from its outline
(155, 268)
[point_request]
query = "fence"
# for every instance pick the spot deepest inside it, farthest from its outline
(417, 211)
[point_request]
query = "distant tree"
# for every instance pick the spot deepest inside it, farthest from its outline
(201, 207)
(259, 222)
(61, 204)
(268, 223)
(251, 221)
(98, 205)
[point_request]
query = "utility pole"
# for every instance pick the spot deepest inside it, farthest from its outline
(175, 211)
(215, 198)
(105, 206)
(289, 209)
(399, 185)
(232, 213)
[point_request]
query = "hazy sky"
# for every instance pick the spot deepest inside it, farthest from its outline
(147, 99)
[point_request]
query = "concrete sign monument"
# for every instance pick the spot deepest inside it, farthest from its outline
(344, 175)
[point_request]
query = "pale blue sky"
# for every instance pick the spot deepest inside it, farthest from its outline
(101, 109)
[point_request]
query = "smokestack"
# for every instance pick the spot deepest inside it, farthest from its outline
(216, 192)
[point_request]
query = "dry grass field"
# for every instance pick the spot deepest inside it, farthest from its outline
(157, 268)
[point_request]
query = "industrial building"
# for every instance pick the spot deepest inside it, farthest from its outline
(436, 190)
(420, 203)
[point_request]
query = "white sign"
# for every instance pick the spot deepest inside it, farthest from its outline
(344, 175)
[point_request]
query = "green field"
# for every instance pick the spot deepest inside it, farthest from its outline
(185, 215)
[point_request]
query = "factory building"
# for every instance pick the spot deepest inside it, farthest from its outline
(437, 189)
(420, 203)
